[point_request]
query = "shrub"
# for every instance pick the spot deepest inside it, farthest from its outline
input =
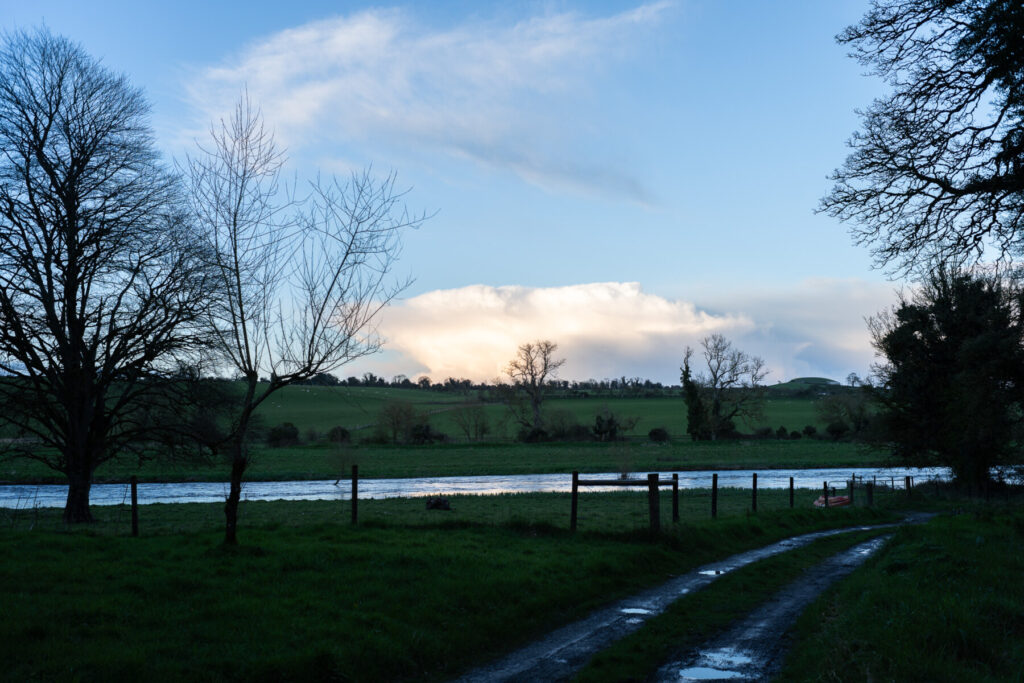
(608, 426)
(837, 429)
(422, 433)
(339, 435)
(284, 434)
(795, 435)
(658, 435)
(532, 435)
(562, 425)
(810, 431)
(764, 432)
(781, 433)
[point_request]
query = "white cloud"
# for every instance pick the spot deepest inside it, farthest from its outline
(612, 329)
(504, 96)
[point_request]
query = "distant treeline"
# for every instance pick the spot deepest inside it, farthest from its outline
(623, 387)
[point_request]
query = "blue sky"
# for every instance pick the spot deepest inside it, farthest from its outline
(620, 177)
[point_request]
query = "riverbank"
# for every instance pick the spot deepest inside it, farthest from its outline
(306, 463)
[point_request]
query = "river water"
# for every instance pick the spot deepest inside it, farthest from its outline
(48, 496)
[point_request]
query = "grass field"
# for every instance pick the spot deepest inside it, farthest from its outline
(358, 409)
(407, 595)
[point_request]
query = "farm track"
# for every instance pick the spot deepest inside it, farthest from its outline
(566, 650)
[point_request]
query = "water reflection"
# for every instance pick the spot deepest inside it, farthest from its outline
(28, 496)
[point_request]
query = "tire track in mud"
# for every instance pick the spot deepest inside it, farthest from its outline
(563, 652)
(753, 648)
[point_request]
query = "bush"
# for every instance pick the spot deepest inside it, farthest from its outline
(837, 429)
(608, 426)
(810, 431)
(422, 433)
(781, 433)
(764, 432)
(795, 435)
(339, 435)
(532, 435)
(562, 425)
(285, 434)
(658, 435)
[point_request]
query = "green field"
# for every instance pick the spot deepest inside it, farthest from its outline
(406, 595)
(358, 409)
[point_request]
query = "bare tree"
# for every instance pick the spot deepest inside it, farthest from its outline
(937, 173)
(730, 389)
(302, 281)
(530, 371)
(100, 288)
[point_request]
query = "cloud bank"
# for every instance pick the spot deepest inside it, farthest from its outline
(502, 95)
(611, 329)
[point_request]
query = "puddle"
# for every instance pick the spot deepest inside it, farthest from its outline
(635, 610)
(720, 665)
(706, 673)
(727, 657)
(713, 572)
(634, 620)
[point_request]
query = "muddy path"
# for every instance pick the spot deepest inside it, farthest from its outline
(566, 650)
(753, 649)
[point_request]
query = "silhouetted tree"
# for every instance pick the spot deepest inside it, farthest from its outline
(937, 173)
(530, 371)
(731, 388)
(301, 282)
(951, 386)
(100, 284)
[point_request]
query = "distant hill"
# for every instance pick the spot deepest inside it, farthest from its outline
(805, 386)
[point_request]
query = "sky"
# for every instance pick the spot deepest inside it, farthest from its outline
(622, 178)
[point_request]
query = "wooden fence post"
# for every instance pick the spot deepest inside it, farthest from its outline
(906, 484)
(675, 497)
(135, 505)
(853, 482)
(869, 489)
(654, 502)
(714, 495)
(753, 500)
(575, 496)
(355, 494)
(824, 489)
(791, 492)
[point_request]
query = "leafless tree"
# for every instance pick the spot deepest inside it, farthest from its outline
(731, 388)
(100, 286)
(937, 173)
(471, 418)
(533, 367)
(301, 281)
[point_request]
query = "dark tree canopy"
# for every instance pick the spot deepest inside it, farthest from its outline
(952, 384)
(937, 172)
(99, 286)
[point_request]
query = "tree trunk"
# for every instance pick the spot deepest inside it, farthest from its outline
(238, 464)
(76, 510)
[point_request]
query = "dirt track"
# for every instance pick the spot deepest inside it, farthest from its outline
(563, 652)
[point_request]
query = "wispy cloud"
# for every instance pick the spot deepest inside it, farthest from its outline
(611, 329)
(503, 95)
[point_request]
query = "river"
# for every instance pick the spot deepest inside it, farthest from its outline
(21, 496)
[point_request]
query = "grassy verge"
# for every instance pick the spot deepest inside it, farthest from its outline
(943, 601)
(327, 462)
(408, 595)
(694, 619)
